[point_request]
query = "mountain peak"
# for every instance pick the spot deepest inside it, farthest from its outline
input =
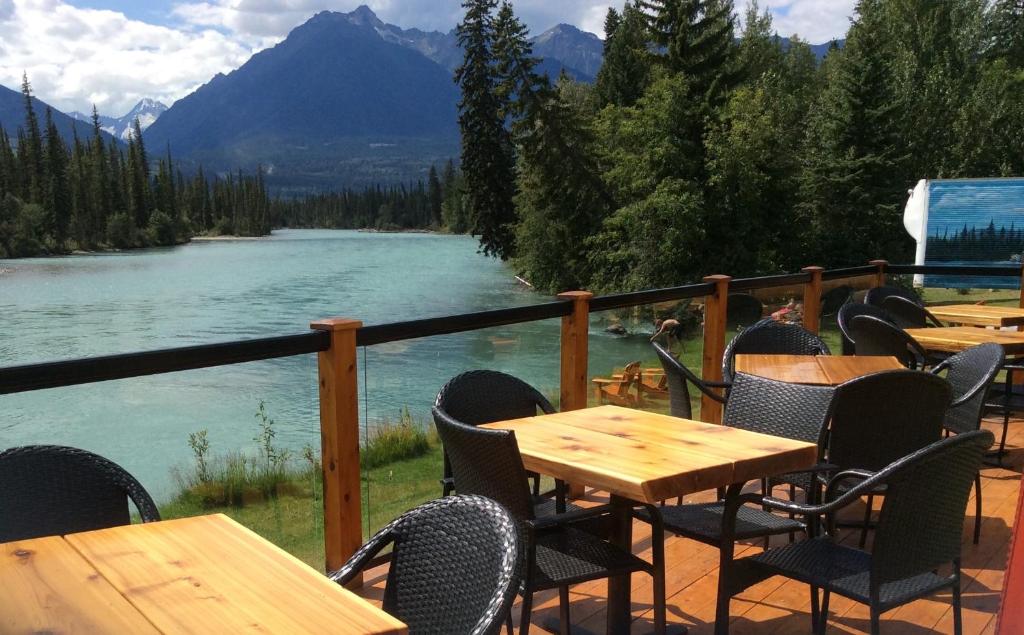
(364, 16)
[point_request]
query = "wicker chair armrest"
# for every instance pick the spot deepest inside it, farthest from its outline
(364, 555)
(870, 480)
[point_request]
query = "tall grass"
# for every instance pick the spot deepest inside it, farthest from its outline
(396, 441)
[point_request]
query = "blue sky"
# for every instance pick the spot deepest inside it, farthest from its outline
(112, 53)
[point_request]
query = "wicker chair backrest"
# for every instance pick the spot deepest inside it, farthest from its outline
(877, 295)
(781, 409)
(852, 310)
(873, 336)
(771, 337)
(486, 396)
(971, 373)
(486, 463)
(921, 524)
(48, 490)
(879, 418)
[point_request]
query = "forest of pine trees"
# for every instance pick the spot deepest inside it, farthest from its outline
(701, 149)
(95, 193)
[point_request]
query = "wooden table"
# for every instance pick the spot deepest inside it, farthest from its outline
(824, 370)
(641, 456)
(953, 339)
(979, 314)
(206, 574)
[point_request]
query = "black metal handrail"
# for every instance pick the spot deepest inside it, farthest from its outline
(70, 372)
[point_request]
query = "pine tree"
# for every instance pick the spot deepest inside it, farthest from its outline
(626, 69)
(58, 194)
(33, 153)
(612, 20)
(487, 157)
(435, 196)
(99, 180)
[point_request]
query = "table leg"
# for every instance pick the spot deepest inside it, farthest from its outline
(619, 602)
(726, 550)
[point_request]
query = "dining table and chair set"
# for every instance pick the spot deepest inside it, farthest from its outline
(804, 435)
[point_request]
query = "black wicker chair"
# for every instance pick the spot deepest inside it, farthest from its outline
(477, 397)
(909, 315)
(677, 376)
(771, 337)
(873, 336)
(879, 418)
(971, 374)
(742, 310)
(455, 567)
(835, 299)
(919, 530)
(48, 490)
(558, 551)
(852, 310)
(782, 409)
(877, 295)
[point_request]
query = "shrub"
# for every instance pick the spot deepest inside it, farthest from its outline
(161, 230)
(120, 231)
(390, 442)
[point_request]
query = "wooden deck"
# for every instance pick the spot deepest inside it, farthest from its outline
(778, 606)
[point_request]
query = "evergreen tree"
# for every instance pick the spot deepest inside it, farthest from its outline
(625, 72)
(487, 158)
(32, 160)
(435, 196)
(58, 194)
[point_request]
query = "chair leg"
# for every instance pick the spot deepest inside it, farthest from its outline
(658, 576)
(958, 622)
(815, 609)
(823, 618)
(867, 521)
(524, 615)
(977, 507)
(792, 516)
(1007, 396)
(564, 622)
(508, 622)
(875, 621)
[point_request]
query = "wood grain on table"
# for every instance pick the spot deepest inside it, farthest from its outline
(210, 574)
(953, 339)
(825, 370)
(46, 586)
(650, 457)
(979, 314)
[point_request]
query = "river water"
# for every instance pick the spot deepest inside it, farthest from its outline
(56, 308)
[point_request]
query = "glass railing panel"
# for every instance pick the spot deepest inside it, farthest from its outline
(242, 440)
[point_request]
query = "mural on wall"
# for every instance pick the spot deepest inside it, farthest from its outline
(960, 221)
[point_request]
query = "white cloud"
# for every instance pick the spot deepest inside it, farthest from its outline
(815, 21)
(76, 57)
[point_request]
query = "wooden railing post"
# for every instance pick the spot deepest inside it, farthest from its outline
(339, 441)
(812, 299)
(881, 265)
(575, 353)
(714, 343)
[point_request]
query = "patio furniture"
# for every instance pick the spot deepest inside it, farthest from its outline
(51, 490)
(205, 574)
(617, 389)
(677, 376)
(877, 295)
(909, 315)
(919, 530)
(852, 310)
(487, 462)
(971, 373)
(953, 339)
(742, 310)
(646, 457)
(873, 336)
(877, 419)
(769, 336)
(755, 404)
(822, 370)
(835, 299)
(455, 565)
(483, 396)
(979, 314)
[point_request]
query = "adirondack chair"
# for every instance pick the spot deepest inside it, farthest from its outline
(653, 386)
(616, 390)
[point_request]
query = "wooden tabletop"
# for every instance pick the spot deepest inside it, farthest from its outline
(206, 574)
(650, 457)
(979, 314)
(953, 339)
(825, 370)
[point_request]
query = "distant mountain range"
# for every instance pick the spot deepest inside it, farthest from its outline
(147, 111)
(344, 100)
(12, 117)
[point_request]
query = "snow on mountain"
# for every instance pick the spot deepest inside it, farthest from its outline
(147, 111)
